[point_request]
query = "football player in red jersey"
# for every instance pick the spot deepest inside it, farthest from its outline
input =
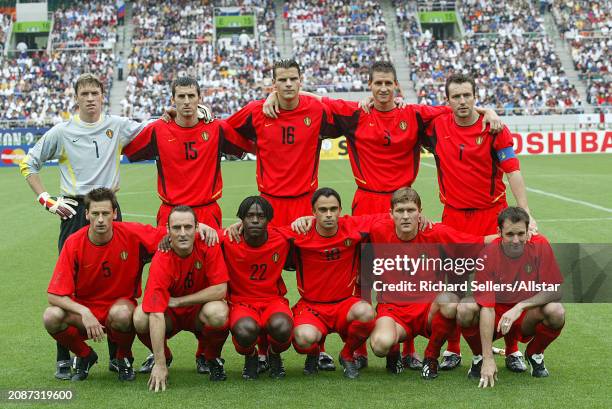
(287, 149)
(256, 294)
(418, 313)
(471, 164)
(533, 316)
(96, 282)
(188, 154)
(185, 291)
(327, 266)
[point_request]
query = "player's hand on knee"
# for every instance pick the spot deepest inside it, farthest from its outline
(62, 206)
(302, 224)
(233, 232)
(95, 330)
(488, 373)
(271, 108)
(205, 114)
(506, 320)
(208, 234)
(158, 378)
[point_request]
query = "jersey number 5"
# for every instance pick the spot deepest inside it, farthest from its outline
(106, 271)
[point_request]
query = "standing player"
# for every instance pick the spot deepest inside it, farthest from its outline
(471, 164)
(327, 265)
(96, 283)
(535, 317)
(185, 291)
(287, 148)
(88, 147)
(256, 294)
(418, 313)
(188, 154)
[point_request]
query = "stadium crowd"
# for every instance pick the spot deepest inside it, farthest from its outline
(232, 71)
(334, 41)
(91, 24)
(500, 18)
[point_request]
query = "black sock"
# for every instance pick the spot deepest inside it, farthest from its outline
(63, 354)
(112, 349)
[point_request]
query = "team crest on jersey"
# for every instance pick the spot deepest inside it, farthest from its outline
(205, 136)
(403, 125)
(124, 255)
(307, 121)
(198, 264)
(348, 242)
(528, 268)
(275, 257)
(109, 133)
(479, 140)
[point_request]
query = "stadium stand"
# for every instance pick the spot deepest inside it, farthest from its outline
(336, 41)
(88, 24)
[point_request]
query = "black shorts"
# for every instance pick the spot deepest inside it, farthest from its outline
(76, 222)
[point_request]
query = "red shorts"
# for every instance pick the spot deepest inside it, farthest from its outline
(365, 203)
(183, 319)
(326, 318)
(209, 214)
(412, 317)
(259, 311)
(101, 310)
(500, 310)
(479, 222)
(286, 210)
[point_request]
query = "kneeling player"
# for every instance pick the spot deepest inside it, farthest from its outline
(96, 282)
(402, 318)
(534, 317)
(258, 307)
(185, 291)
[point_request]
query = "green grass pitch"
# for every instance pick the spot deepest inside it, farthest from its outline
(578, 361)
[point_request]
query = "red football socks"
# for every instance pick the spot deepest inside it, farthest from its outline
(71, 339)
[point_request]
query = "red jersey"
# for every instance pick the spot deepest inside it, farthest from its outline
(383, 147)
(327, 267)
(100, 275)
(537, 265)
(174, 276)
(436, 243)
(188, 159)
(287, 147)
(470, 162)
(256, 272)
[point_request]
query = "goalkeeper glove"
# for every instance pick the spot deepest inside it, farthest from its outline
(205, 114)
(62, 206)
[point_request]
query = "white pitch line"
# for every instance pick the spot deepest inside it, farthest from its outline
(556, 196)
(569, 199)
(594, 219)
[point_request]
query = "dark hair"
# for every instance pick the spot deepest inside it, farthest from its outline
(185, 82)
(286, 64)
(459, 79)
(513, 213)
(100, 194)
(382, 66)
(246, 204)
(327, 192)
(88, 79)
(405, 195)
(183, 209)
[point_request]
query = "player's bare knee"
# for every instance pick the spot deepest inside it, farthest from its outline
(280, 326)
(554, 315)
(380, 343)
(245, 331)
(53, 319)
(140, 320)
(120, 317)
(362, 311)
(304, 337)
(214, 313)
(467, 313)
